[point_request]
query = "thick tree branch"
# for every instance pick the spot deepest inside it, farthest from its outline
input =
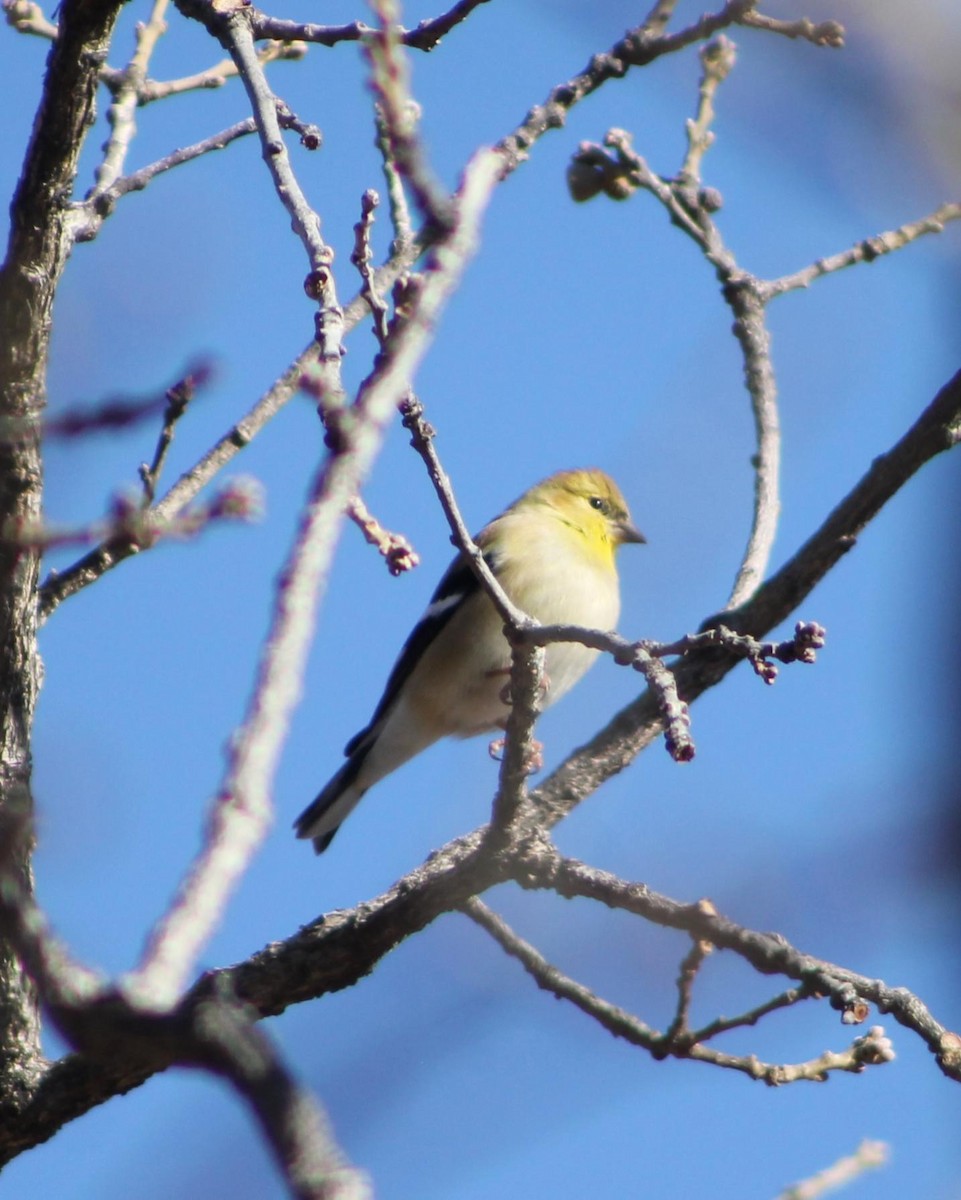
(342, 947)
(37, 250)
(120, 1046)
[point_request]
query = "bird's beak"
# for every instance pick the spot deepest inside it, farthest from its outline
(627, 532)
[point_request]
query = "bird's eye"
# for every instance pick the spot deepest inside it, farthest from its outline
(598, 503)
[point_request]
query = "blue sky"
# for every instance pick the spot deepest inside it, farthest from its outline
(582, 335)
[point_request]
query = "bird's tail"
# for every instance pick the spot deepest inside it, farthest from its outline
(320, 820)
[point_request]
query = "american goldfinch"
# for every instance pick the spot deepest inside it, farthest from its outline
(553, 553)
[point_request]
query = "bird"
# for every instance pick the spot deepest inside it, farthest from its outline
(553, 552)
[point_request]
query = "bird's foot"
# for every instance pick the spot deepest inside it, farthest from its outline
(533, 762)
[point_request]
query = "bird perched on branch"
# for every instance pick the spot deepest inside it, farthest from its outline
(553, 553)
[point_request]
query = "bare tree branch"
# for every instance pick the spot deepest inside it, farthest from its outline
(639, 47)
(427, 36)
(868, 1156)
(825, 33)
(89, 215)
(28, 17)
(395, 549)
(107, 555)
(123, 126)
(295, 1126)
(235, 32)
(37, 250)
(864, 252)
(125, 1032)
(216, 76)
(865, 1051)
(218, 1034)
(398, 115)
(242, 810)
(518, 750)
(769, 954)
(630, 731)
(689, 207)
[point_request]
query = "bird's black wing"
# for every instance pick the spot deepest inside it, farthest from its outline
(457, 585)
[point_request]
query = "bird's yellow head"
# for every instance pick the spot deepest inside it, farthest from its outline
(589, 503)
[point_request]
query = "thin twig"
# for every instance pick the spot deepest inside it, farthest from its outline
(717, 62)
(395, 549)
(123, 125)
(689, 208)
(87, 570)
(310, 135)
(216, 76)
(868, 1157)
(59, 586)
(645, 657)
(518, 750)
(521, 754)
(677, 720)
(132, 526)
(138, 180)
(236, 31)
(848, 993)
(825, 33)
(639, 47)
(27, 17)
(362, 258)
(686, 977)
(177, 399)
(422, 439)
(426, 36)
(786, 999)
(119, 412)
(863, 252)
(429, 33)
(398, 114)
(869, 1050)
(550, 978)
(873, 1049)
(87, 217)
(396, 197)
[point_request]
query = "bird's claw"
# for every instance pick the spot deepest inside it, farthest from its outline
(535, 754)
(496, 748)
